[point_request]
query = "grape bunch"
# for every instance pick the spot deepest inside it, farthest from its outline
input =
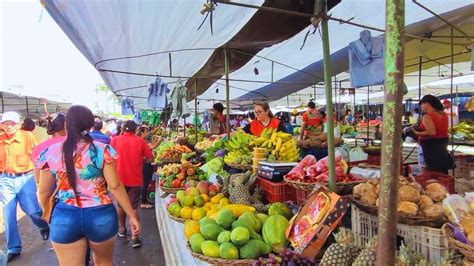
(287, 257)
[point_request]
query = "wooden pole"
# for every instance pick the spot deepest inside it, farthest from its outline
(195, 111)
(391, 144)
(329, 106)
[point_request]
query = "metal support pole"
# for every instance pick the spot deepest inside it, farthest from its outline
(330, 120)
(273, 63)
(368, 110)
(171, 67)
(391, 144)
(335, 95)
(419, 77)
(451, 95)
(227, 92)
(195, 111)
(27, 107)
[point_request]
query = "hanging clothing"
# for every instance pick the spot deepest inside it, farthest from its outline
(128, 107)
(137, 118)
(366, 60)
(157, 94)
(178, 100)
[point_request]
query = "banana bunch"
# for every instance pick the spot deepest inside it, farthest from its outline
(237, 157)
(280, 145)
(240, 141)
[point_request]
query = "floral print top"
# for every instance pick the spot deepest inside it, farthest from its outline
(90, 183)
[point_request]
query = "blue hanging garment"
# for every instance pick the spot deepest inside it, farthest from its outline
(128, 107)
(137, 118)
(366, 60)
(157, 94)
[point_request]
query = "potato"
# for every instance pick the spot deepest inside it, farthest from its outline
(425, 201)
(436, 191)
(407, 208)
(433, 211)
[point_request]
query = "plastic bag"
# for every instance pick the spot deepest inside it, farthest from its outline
(357, 154)
(455, 207)
(343, 151)
(469, 197)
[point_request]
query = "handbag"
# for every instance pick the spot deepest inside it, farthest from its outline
(357, 154)
(48, 209)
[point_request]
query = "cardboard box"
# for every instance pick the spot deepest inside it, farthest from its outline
(310, 228)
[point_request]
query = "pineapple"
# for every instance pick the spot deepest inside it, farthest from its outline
(368, 256)
(239, 191)
(408, 257)
(342, 252)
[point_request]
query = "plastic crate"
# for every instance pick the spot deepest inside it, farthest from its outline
(445, 180)
(301, 196)
(276, 191)
(429, 242)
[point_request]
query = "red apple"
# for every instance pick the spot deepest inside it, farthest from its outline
(203, 187)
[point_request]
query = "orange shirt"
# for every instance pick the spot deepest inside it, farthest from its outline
(256, 127)
(15, 152)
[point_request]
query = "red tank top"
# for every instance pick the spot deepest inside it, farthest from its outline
(256, 127)
(440, 121)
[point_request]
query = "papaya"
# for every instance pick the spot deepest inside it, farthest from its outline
(211, 231)
(264, 248)
(241, 223)
(228, 251)
(251, 250)
(210, 249)
(274, 230)
(191, 227)
(252, 220)
(206, 220)
(240, 236)
(196, 241)
(262, 217)
(225, 218)
(223, 237)
(281, 209)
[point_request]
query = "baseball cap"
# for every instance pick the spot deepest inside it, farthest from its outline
(11, 116)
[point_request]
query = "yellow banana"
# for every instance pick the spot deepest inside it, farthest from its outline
(278, 144)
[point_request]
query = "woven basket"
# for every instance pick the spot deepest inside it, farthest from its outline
(219, 261)
(409, 220)
(342, 188)
(240, 167)
(170, 190)
(171, 160)
(176, 219)
(464, 249)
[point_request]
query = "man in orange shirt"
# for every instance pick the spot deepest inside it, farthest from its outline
(17, 184)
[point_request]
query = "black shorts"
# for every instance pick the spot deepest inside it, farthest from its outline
(134, 196)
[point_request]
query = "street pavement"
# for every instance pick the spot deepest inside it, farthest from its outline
(38, 252)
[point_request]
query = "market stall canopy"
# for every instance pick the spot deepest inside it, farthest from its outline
(263, 30)
(303, 58)
(30, 106)
(124, 37)
(433, 54)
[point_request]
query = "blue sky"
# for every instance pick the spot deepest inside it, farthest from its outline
(37, 57)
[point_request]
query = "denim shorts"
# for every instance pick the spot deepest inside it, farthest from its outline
(70, 223)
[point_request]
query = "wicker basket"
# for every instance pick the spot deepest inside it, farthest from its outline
(240, 167)
(170, 190)
(466, 250)
(219, 261)
(176, 219)
(342, 188)
(170, 160)
(408, 220)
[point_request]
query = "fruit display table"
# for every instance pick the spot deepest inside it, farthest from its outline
(172, 237)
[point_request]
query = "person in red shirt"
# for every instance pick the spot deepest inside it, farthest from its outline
(433, 135)
(263, 119)
(312, 120)
(219, 118)
(133, 151)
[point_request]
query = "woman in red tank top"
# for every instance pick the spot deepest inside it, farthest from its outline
(433, 135)
(264, 119)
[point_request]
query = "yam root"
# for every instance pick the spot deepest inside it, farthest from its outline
(407, 208)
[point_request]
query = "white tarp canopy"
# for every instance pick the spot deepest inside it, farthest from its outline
(141, 33)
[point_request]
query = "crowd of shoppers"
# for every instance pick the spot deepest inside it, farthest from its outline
(96, 175)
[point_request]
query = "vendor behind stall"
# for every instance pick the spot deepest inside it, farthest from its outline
(312, 120)
(433, 135)
(263, 119)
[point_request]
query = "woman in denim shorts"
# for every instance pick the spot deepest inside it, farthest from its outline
(82, 170)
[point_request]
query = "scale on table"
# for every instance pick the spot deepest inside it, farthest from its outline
(274, 171)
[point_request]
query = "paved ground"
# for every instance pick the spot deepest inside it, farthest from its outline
(37, 252)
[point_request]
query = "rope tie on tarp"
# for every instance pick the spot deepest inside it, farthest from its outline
(209, 6)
